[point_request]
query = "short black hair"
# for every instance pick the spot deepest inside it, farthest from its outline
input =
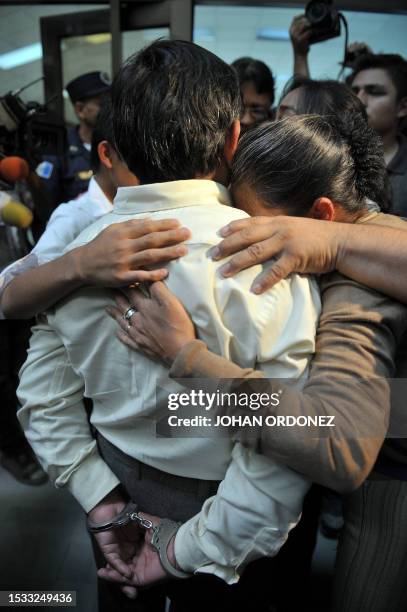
(173, 104)
(103, 130)
(395, 66)
(258, 73)
(292, 162)
(323, 97)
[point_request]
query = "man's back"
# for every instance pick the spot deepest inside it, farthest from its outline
(270, 329)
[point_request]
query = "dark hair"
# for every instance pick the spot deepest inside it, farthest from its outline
(292, 162)
(324, 97)
(395, 66)
(258, 73)
(173, 104)
(103, 130)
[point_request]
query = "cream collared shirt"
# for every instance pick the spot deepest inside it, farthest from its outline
(75, 352)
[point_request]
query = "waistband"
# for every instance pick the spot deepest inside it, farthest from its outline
(143, 471)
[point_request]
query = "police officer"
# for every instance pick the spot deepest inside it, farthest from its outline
(66, 177)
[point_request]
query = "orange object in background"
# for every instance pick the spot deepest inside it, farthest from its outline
(14, 168)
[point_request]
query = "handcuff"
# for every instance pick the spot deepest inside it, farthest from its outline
(162, 533)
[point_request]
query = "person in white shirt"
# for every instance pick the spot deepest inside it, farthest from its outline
(75, 345)
(47, 275)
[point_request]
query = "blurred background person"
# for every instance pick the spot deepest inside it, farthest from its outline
(257, 87)
(380, 82)
(64, 178)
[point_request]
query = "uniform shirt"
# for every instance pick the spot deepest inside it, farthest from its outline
(397, 171)
(68, 176)
(76, 352)
(66, 222)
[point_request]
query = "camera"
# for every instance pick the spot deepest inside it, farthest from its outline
(29, 129)
(324, 19)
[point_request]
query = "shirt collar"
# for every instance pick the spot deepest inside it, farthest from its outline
(165, 196)
(398, 164)
(98, 197)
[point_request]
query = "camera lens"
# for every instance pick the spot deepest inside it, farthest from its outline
(316, 11)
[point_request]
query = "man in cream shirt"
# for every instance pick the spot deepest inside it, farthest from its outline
(179, 148)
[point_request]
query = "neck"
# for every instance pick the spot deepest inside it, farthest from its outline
(390, 145)
(85, 133)
(343, 216)
(106, 185)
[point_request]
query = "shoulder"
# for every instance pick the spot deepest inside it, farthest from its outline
(385, 220)
(205, 222)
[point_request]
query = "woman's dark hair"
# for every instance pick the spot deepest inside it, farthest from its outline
(258, 73)
(395, 66)
(103, 130)
(323, 97)
(292, 162)
(333, 100)
(173, 104)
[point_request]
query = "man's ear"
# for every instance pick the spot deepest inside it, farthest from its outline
(322, 209)
(402, 108)
(104, 152)
(231, 142)
(78, 108)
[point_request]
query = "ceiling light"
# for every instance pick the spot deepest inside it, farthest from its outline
(21, 56)
(271, 34)
(204, 35)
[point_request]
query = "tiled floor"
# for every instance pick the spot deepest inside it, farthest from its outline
(44, 546)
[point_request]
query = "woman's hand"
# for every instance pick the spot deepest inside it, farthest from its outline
(297, 245)
(124, 253)
(161, 326)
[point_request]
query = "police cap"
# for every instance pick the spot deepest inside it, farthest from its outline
(88, 85)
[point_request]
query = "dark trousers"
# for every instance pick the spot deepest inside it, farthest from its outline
(179, 498)
(14, 338)
(371, 569)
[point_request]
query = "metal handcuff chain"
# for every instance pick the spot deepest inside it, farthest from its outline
(161, 534)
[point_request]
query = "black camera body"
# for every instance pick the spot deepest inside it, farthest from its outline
(324, 20)
(29, 129)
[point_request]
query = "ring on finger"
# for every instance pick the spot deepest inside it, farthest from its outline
(128, 314)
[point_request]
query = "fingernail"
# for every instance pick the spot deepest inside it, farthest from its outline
(215, 252)
(226, 270)
(181, 250)
(256, 288)
(225, 231)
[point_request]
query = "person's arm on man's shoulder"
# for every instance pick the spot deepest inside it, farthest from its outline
(370, 254)
(120, 255)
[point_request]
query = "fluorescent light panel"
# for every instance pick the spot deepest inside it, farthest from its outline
(271, 34)
(21, 56)
(204, 35)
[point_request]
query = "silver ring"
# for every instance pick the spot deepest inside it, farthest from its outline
(128, 314)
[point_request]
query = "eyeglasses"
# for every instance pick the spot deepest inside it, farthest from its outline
(258, 113)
